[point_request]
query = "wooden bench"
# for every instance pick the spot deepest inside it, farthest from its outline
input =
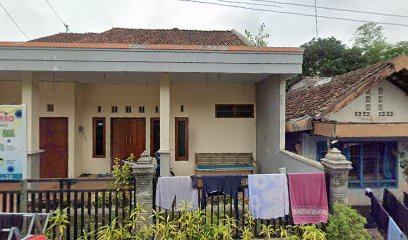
(224, 163)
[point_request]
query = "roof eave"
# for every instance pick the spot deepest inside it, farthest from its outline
(150, 46)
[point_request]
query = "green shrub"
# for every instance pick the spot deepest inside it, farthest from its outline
(346, 223)
(59, 221)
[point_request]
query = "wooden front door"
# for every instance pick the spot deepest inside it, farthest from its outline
(128, 135)
(54, 142)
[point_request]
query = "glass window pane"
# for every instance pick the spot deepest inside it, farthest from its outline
(244, 111)
(369, 161)
(156, 136)
(352, 153)
(181, 152)
(388, 160)
(224, 111)
(99, 144)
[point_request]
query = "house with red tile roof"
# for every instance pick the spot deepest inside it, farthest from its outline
(363, 113)
(94, 97)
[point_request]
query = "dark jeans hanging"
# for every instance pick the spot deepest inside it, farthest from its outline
(228, 185)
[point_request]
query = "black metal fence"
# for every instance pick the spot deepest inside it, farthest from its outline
(220, 205)
(89, 203)
(92, 203)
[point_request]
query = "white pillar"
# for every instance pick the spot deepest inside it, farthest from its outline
(164, 124)
(30, 97)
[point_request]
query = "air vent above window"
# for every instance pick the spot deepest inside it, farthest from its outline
(141, 109)
(50, 107)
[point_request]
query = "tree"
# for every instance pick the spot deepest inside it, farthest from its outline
(397, 49)
(259, 40)
(330, 57)
(369, 37)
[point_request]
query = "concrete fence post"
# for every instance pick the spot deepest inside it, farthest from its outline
(338, 167)
(144, 171)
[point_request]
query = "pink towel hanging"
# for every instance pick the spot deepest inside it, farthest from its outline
(308, 197)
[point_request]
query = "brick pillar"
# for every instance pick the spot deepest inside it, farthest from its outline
(144, 171)
(337, 166)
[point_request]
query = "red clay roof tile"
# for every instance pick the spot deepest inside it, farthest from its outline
(312, 101)
(150, 36)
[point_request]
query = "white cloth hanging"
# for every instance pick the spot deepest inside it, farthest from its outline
(268, 195)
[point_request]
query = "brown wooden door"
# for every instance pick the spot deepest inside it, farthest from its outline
(120, 130)
(128, 135)
(54, 142)
(137, 136)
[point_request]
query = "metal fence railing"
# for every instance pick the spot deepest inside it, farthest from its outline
(220, 205)
(89, 203)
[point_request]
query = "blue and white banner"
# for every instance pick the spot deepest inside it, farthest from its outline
(13, 142)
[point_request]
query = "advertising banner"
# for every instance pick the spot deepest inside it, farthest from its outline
(13, 142)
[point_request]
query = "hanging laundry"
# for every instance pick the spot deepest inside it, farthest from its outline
(228, 185)
(308, 197)
(180, 188)
(378, 212)
(397, 210)
(406, 199)
(268, 195)
(194, 182)
(390, 203)
(394, 232)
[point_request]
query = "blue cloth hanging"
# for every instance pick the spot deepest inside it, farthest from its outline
(394, 232)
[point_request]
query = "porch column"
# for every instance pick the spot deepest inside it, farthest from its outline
(30, 97)
(336, 165)
(164, 124)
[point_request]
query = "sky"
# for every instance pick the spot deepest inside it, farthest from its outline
(36, 18)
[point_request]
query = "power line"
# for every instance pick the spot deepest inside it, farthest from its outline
(297, 13)
(58, 16)
(334, 9)
(256, 4)
(15, 23)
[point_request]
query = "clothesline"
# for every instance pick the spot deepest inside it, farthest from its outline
(268, 194)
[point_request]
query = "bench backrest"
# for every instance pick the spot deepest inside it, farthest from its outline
(223, 158)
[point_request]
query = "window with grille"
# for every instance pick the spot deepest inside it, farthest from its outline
(181, 139)
(98, 128)
(234, 111)
(375, 164)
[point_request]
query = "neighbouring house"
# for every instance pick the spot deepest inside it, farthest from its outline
(96, 96)
(363, 113)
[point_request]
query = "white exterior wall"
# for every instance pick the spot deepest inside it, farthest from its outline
(270, 131)
(207, 133)
(62, 96)
(106, 96)
(395, 100)
(79, 103)
(10, 92)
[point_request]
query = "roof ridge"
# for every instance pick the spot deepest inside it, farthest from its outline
(169, 29)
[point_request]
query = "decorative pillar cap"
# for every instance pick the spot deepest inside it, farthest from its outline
(145, 163)
(145, 158)
(335, 161)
